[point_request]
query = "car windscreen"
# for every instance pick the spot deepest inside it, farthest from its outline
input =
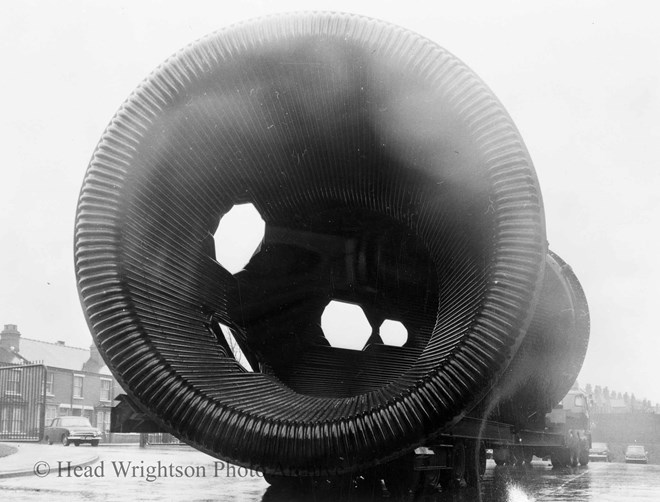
(74, 422)
(635, 449)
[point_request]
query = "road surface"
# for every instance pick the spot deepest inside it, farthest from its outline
(132, 474)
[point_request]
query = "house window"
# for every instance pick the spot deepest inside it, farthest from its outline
(14, 382)
(78, 386)
(50, 379)
(106, 385)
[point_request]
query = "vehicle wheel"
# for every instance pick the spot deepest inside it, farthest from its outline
(399, 476)
(584, 458)
(289, 483)
(513, 458)
(560, 458)
(49, 440)
(277, 481)
(501, 456)
(458, 464)
(76, 443)
(519, 458)
(65, 439)
(445, 480)
(476, 464)
(95, 443)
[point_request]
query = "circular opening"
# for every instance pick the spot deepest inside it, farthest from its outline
(393, 333)
(235, 348)
(238, 236)
(345, 325)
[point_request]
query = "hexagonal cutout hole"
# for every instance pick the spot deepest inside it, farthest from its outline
(393, 333)
(345, 325)
(239, 234)
(235, 348)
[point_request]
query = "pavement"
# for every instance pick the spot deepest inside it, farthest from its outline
(31, 457)
(119, 473)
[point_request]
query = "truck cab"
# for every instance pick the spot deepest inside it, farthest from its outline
(571, 418)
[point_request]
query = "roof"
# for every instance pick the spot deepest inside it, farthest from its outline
(618, 403)
(10, 357)
(105, 371)
(53, 354)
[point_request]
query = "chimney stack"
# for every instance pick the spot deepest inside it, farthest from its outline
(95, 361)
(10, 338)
(94, 354)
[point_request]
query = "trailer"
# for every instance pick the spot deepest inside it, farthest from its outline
(457, 459)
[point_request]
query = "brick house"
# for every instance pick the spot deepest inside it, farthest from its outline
(77, 380)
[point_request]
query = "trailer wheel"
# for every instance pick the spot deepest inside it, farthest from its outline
(458, 472)
(584, 457)
(456, 476)
(476, 464)
(400, 476)
(560, 458)
(286, 483)
(501, 456)
(519, 456)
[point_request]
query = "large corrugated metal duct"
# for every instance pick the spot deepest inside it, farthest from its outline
(549, 358)
(388, 176)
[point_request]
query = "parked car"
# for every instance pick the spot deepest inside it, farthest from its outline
(600, 451)
(636, 454)
(74, 430)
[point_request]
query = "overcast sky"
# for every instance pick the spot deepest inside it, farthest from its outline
(580, 79)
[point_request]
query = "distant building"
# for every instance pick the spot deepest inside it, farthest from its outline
(77, 380)
(619, 406)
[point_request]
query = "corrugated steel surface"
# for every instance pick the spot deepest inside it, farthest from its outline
(304, 116)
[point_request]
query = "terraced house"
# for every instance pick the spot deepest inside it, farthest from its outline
(49, 379)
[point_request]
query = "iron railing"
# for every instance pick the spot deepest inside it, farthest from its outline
(22, 402)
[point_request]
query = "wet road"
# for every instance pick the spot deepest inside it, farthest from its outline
(124, 475)
(596, 482)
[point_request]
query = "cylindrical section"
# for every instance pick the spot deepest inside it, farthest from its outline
(307, 115)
